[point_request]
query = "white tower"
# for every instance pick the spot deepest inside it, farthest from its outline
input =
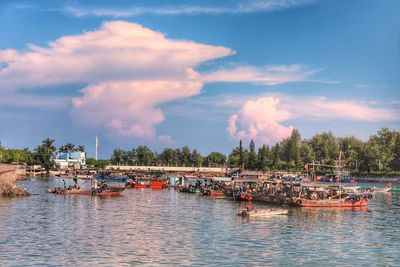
(97, 145)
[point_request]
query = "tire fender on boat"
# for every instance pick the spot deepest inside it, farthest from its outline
(298, 202)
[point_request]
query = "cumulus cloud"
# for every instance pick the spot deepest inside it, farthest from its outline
(129, 69)
(265, 119)
(130, 107)
(240, 7)
(261, 120)
(118, 51)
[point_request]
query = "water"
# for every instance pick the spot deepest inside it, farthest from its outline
(150, 228)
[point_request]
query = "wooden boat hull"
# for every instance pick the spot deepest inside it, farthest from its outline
(262, 213)
(111, 179)
(345, 203)
(157, 184)
(87, 192)
(217, 193)
(381, 190)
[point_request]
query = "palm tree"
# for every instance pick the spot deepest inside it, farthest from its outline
(81, 148)
(49, 145)
(70, 147)
(43, 154)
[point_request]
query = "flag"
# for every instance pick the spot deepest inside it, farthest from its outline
(97, 141)
(306, 166)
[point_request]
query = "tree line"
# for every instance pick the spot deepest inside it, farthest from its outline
(41, 155)
(379, 154)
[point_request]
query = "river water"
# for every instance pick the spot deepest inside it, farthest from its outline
(163, 227)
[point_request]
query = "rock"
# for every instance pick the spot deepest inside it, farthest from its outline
(8, 187)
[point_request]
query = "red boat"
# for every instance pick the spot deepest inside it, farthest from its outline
(157, 184)
(216, 193)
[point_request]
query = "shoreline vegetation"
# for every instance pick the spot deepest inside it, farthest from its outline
(379, 156)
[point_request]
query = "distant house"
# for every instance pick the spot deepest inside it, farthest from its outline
(65, 160)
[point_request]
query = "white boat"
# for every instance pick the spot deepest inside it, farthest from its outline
(262, 212)
(352, 189)
(380, 189)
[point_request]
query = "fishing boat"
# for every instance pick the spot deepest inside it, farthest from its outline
(261, 212)
(351, 200)
(157, 184)
(112, 177)
(109, 191)
(352, 189)
(217, 193)
(381, 189)
(137, 185)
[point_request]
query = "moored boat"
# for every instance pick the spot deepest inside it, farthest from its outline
(157, 184)
(349, 201)
(262, 212)
(109, 191)
(381, 189)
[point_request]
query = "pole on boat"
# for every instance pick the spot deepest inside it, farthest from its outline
(313, 170)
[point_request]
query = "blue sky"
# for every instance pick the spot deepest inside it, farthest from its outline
(197, 73)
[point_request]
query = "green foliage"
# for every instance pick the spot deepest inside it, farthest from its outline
(234, 158)
(15, 156)
(99, 164)
(196, 158)
(379, 155)
(43, 154)
(215, 159)
(252, 157)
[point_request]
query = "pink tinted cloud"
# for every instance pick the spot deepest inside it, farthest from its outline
(260, 120)
(130, 70)
(263, 119)
(321, 108)
(118, 51)
(129, 108)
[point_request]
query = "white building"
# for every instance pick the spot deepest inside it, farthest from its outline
(65, 160)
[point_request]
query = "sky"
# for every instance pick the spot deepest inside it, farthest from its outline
(201, 73)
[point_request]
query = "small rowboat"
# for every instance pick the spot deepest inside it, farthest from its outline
(381, 190)
(262, 212)
(109, 191)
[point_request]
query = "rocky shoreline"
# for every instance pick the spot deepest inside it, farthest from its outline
(8, 188)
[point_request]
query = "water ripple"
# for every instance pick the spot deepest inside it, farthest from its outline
(151, 228)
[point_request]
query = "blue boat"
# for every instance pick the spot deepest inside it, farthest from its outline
(112, 179)
(292, 179)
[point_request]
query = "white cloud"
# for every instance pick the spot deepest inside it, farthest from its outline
(265, 119)
(130, 70)
(269, 75)
(241, 7)
(118, 51)
(260, 120)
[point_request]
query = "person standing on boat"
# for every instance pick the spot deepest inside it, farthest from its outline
(75, 182)
(96, 186)
(65, 184)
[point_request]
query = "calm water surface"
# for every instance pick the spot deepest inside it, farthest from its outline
(151, 228)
